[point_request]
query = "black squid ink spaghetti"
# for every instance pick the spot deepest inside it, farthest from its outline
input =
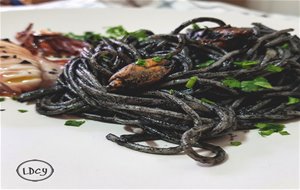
(193, 84)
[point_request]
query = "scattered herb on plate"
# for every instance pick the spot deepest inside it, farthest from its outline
(22, 111)
(235, 143)
(74, 123)
(267, 129)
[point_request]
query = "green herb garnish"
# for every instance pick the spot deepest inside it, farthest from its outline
(245, 64)
(205, 64)
(232, 83)
(195, 26)
(285, 46)
(87, 36)
(171, 91)
(22, 111)
(191, 82)
(255, 85)
(235, 143)
(262, 82)
(293, 100)
(207, 101)
(266, 129)
(139, 34)
(120, 31)
(284, 133)
(15, 98)
(258, 83)
(74, 123)
(249, 86)
(116, 31)
(2, 99)
(140, 62)
(157, 59)
(274, 68)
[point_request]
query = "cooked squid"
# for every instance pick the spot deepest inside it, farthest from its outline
(21, 71)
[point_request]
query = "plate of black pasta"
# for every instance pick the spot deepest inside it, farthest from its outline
(189, 93)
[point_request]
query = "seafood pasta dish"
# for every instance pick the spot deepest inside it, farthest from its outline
(203, 80)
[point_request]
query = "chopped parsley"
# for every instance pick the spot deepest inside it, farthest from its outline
(284, 133)
(293, 100)
(232, 83)
(74, 123)
(139, 34)
(2, 99)
(140, 62)
(191, 82)
(235, 143)
(258, 83)
(87, 36)
(285, 46)
(157, 59)
(171, 91)
(262, 82)
(14, 98)
(119, 31)
(207, 101)
(112, 32)
(22, 111)
(116, 31)
(205, 64)
(267, 129)
(255, 85)
(274, 68)
(195, 26)
(245, 64)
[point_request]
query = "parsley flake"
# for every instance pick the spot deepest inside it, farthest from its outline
(2, 99)
(140, 62)
(232, 83)
(74, 123)
(116, 31)
(207, 101)
(235, 143)
(191, 82)
(157, 59)
(245, 64)
(195, 26)
(255, 85)
(205, 64)
(285, 46)
(274, 68)
(22, 111)
(284, 133)
(293, 100)
(266, 129)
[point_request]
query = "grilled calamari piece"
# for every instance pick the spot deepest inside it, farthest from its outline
(21, 71)
(48, 43)
(143, 72)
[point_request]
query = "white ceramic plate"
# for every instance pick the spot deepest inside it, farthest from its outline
(83, 158)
